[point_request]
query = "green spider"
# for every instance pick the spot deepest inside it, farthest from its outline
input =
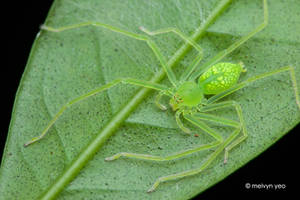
(188, 95)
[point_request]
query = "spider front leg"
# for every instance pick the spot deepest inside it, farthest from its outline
(187, 39)
(170, 74)
(177, 32)
(131, 81)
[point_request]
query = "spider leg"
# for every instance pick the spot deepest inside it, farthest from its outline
(217, 143)
(131, 81)
(196, 170)
(198, 58)
(163, 158)
(217, 119)
(157, 101)
(186, 39)
(190, 69)
(216, 106)
(201, 125)
(177, 32)
(235, 45)
(179, 122)
(136, 36)
(204, 127)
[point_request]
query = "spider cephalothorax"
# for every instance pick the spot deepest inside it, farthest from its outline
(187, 95)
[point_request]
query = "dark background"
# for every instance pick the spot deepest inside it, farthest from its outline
(21, 24)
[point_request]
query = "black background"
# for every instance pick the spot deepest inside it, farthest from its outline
(277, 165)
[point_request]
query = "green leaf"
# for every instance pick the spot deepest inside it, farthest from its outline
(65, 65)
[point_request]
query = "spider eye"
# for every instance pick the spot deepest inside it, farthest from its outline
(178, 99)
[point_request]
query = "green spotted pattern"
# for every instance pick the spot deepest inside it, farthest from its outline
(220, 77)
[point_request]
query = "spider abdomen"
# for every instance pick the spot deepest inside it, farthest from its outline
(220, 77)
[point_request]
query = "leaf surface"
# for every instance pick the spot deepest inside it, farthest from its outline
(65, 65)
